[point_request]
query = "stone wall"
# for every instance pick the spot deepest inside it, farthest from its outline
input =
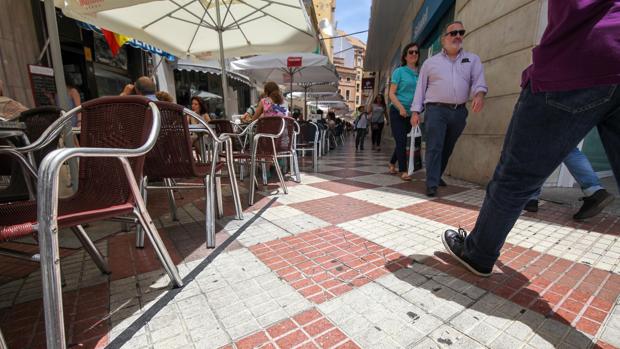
(502, 33)
(18, 47)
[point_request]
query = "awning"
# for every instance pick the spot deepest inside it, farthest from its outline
(387, 18)
(133, 42)
(210, 67)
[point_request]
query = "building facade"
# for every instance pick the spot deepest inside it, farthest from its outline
(325, 13)
(349, 55)
(503, 35)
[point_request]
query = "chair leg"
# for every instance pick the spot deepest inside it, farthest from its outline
(264, 168)
(210, 212)
(52, 288)
(90, 247)
(279, 172)
(218, 195)
(171, 200)
(253, 180)
(296, 168)
(139, 231)
(158, 245)
(315, 160)
(235, 189)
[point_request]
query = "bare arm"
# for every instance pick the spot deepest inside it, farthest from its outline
(395, 100)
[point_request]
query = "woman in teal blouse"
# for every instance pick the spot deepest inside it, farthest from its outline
(402, 88)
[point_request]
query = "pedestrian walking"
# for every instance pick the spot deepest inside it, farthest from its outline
(378, 117)
(446, 82)
(596, 197)
(402, 87)
(571, 87)
(361, 127)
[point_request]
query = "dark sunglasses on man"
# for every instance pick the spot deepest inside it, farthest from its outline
(455, 32)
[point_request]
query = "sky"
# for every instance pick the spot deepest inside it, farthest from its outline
(352, 16)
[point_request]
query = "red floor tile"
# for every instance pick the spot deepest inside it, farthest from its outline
(309, 329)
(326, 263)
(347, 173)
(343, 186)
(339, 209)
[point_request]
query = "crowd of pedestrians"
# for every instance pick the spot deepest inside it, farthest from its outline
(570, 88)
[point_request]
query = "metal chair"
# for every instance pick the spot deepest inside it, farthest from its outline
(239, 142)
(37, 120)
(172, 157)
(270, 130)
(308, 140)
(116, 134)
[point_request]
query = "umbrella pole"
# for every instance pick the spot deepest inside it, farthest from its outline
(305, 102)
(220, 28)
(59, 78)
(291, 107)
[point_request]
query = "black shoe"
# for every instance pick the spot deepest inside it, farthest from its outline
(454, 242)
(432, 191)
(531, 206)
(442, 183)
(594, 204)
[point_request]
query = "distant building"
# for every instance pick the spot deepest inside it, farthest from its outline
(349, 55)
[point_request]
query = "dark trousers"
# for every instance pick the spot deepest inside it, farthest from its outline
(360, 134)
(400, 128)
(544, 129)
(375, 132)
(443, 127)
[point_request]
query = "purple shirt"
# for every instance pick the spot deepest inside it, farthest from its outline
(443, 80)
(580, 47)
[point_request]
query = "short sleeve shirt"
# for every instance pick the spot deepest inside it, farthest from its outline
(406, 81)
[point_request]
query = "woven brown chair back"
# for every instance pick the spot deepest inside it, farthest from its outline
(111, 122)
(172, 155)
(307, 132)
(225, 126)
(37, 120)
(272, 124)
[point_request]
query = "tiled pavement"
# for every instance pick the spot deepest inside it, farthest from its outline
(350, 258)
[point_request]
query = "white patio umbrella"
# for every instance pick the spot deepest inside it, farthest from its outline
(204, 29)
(208, 95)
(300, 68)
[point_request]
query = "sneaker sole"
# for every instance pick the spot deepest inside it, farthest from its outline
(599, 209)
(469, 267)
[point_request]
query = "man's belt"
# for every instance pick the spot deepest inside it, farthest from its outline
(446, 105)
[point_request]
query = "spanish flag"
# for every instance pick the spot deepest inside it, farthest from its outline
(114, 40)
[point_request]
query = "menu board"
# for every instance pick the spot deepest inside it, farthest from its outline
(42, 84)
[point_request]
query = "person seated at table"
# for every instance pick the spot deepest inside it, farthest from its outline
(144, 86)
(9, 108)
(164, 96)
(249, 114)
(199, 107)
(272, 104)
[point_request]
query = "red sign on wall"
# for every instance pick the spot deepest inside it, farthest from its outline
(293, 62)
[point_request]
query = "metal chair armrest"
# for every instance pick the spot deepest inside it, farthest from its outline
(211, 133)
(20, 157)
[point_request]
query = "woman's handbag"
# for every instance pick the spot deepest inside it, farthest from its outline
(415, 150)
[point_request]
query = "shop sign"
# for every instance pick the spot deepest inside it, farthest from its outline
(293, 62)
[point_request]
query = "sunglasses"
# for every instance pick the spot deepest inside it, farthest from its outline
(455, 33)
(411, 52)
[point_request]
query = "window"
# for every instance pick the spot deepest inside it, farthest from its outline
(340, 93)
(348, 94)
(348, 79)
(357, 86)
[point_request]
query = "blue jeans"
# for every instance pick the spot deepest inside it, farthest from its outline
(443, 128)
(579, 166)
(400, 128)
(544, 129)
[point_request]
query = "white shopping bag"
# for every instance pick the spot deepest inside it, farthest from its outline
(415, 147)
